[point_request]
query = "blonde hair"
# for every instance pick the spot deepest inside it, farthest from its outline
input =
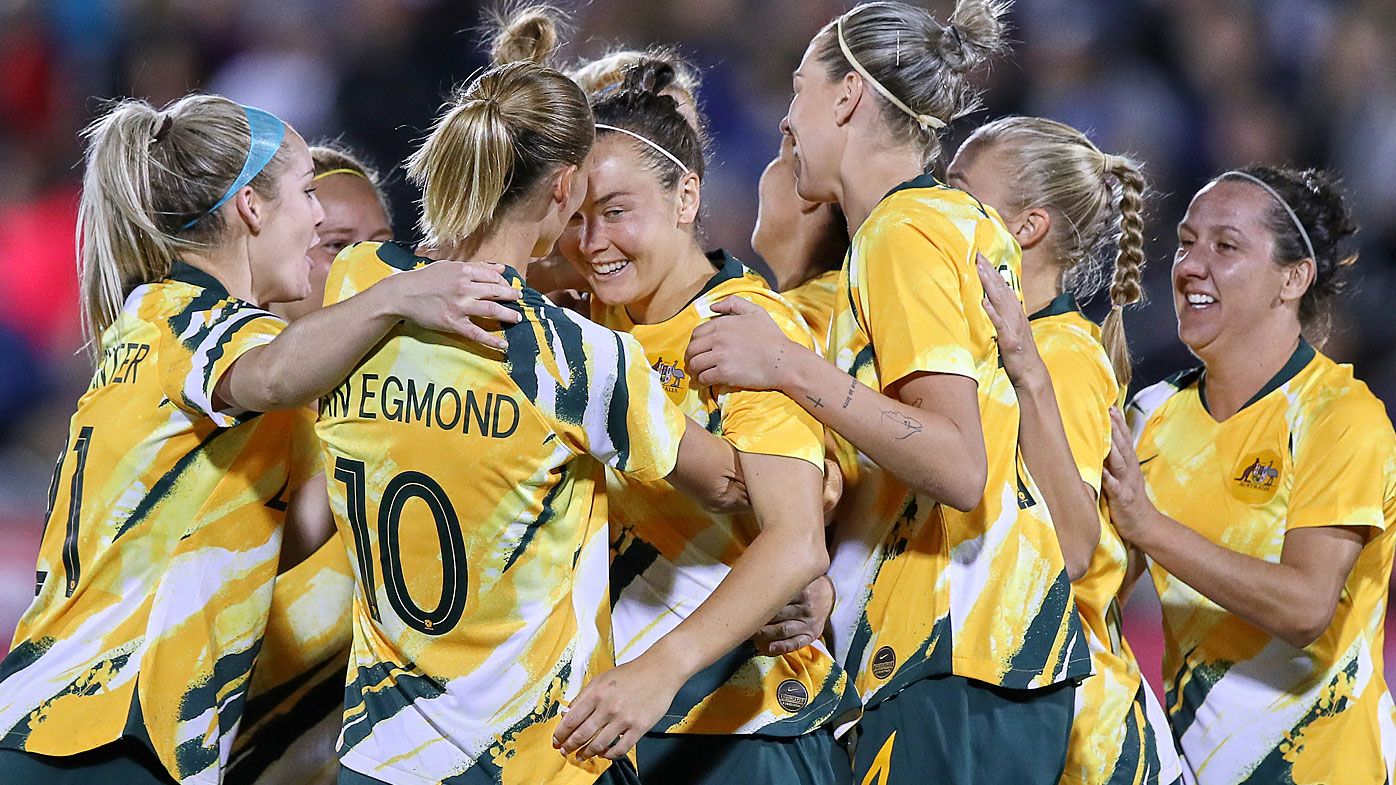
(920, 61)
(149, 179)
(331, 157)
(502, 133)
(1097, 200)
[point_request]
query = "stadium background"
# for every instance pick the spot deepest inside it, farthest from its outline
(1188, 86)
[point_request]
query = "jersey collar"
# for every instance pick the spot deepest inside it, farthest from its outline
(728, 268)
(1303, 355)
(1061, 304)
(185, 272)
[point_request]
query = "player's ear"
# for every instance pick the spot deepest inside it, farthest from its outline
(690, 198)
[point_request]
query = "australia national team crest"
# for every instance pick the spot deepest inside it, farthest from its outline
(1256, 477)
(671, 375)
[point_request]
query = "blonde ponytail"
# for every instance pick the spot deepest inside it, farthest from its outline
(497, 137)
(1125, 286)
(1095, 199)
(149, 180)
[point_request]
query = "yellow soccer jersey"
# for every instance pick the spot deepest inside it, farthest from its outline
(296, 701)
(1113, 740)
(468, 488)
(924, 589)
(670, 553)
(1313, 448)
(162, 539)
(814, 299)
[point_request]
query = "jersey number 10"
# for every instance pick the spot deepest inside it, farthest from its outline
(401, 488)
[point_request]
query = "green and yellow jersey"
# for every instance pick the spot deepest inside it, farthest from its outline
(1119, 736)
(924, 589)
(814, 299)
(296, 701)
(161, 542)
(468, 489)
(671, 554)
(1313, 448)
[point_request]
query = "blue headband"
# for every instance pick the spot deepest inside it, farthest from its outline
(267, 134)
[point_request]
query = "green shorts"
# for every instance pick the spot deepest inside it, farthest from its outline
(813, 758)
(954, 731)
(122, 762)
(618, 773)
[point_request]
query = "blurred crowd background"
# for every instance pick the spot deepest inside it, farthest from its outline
(1190, 87)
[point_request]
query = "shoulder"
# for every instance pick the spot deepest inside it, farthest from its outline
(1154, 400)
(1332, 401)
(361, 265)
(549, 330)
(1071, 349)
(754, 289)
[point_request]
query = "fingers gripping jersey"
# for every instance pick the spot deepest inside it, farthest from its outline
(671, 554)
(814, 299)
(467, 489)
(924, 589)
(1112, 738)
(161, 542)
(1313, 448)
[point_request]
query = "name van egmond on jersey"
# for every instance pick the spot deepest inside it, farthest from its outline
(370, 396)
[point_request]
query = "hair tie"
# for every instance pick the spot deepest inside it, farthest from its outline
(650, 142)
(166, 120)
(1293, 216)
(354, 172)
(266, 133)
(955, 31)
(927, 122)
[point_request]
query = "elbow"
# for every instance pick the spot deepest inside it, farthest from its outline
(1076, 567)
(1305, 625)
(727, 496)
(964, 491)
(810, 561)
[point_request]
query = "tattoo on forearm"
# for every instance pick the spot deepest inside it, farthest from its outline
(847, 399)
(908, 425)
(817, 402)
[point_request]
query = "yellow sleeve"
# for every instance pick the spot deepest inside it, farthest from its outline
(1085, 391)
(767, 422)
(193, 360)
(1343, 460)
(915, 302)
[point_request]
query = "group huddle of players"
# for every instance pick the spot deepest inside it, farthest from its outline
(557, 495)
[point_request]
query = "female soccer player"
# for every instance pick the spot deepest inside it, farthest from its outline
(955, 608)
(802, 242)
(296, 696)
(467, 481)
(165, 518)
(1067, 203)
(1271, 494)
(677, 567)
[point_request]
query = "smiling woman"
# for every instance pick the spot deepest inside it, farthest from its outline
(1266, 500)
(678, 568)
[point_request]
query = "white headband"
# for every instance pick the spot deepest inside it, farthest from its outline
(1293, 216)
(927, 122)
(649, 142)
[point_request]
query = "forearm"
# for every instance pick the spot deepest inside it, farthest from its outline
(785, 556)
(924, 449)
(310, 357)
(1047, 452)
(1272, 596)
(777, 566)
